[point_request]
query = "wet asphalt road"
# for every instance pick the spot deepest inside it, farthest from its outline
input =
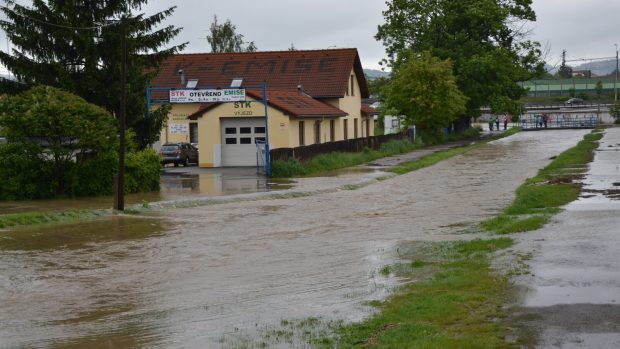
(573, 297)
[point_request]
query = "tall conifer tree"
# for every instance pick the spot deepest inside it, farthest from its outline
(76, 45)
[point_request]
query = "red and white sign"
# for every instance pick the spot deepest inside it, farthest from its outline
(207, 96)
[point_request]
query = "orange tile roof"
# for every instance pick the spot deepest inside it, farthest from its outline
(293, 103)
(322, 73)
(367, 109)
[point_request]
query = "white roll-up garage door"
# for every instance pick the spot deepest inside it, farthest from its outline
(238, 140)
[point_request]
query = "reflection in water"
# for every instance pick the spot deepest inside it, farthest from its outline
(174, 185)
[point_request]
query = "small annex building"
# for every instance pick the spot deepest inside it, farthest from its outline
(313, 97)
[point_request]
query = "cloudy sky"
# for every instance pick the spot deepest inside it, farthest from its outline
(586, 29)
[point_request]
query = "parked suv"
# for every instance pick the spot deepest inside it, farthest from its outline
(178, 153)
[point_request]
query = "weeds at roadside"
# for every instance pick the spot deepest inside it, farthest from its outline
(542, 196)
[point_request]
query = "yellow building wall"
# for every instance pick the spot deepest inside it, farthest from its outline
(352, 105)
(178, 116)
(209, 128)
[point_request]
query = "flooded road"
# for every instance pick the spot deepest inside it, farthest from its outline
(220, 276)
(175, 183)
(574, 293)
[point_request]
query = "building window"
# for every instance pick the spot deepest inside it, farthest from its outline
(354, 128)
(230, 130)
(345, 128)
(368, 127)
(332, 130)
(317, 132)
(231, 140)
(193, 132)
(245, 140)
(259, 130)
(301, 133)
(245, 130)
(352, 85)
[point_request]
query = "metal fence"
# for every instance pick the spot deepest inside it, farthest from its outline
(542, 121)
(345, 146)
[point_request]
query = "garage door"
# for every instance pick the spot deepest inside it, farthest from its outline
(238, 140)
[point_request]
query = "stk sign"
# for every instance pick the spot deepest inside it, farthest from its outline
(207, 96)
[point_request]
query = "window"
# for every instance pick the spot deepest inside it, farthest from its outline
(230, 130)
(301, 133)
(368, 127)
(259, 130)
(332, 130)
(345, 128)
(352, 85)
(354, 128)
(245, 140)
(317, 132)
(231, 140)
(193, 132)
(245, 130)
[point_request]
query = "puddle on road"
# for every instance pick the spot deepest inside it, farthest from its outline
(80, 235)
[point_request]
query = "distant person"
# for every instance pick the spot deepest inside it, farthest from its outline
(505, 120)
(497, 122)
(490, 123)
(545, 119)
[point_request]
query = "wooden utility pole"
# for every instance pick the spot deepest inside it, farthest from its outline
(119, 192)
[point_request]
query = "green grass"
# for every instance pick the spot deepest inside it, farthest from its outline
(31, 218)
(453, 309)
(430, 160)
(542, 196)
(337, 160)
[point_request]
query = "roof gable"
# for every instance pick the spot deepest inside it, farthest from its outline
(321, 73)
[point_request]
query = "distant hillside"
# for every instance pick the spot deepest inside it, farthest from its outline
(598, 68)
(372, 74)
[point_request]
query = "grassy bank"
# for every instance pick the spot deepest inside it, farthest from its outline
(459, 306)
(540, 197)
(337, 160)
(31, 218)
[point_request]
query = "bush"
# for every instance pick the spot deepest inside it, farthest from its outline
(288, 168)
(23, 176)
(142, 171)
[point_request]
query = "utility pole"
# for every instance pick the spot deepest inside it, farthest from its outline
(616, 79)
(119, 192)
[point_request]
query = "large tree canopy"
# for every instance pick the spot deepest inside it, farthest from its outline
(76, 45)
(481, 37)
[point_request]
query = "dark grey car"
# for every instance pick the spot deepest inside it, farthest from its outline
(178, 153)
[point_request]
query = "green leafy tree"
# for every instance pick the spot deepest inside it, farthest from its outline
(61, 135)
(614, 111)
(489, 55)
(425, 91)
(599, 89)
(223, 38)
(76, 46)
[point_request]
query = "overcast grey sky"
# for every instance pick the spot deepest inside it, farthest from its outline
(586, 29)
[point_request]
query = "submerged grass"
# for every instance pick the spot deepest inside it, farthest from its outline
(540, 197)
(31, 218)
(455, 308)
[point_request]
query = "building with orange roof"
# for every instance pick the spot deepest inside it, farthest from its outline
(312, 97)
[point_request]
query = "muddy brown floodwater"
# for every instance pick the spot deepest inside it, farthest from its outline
(216, 276)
